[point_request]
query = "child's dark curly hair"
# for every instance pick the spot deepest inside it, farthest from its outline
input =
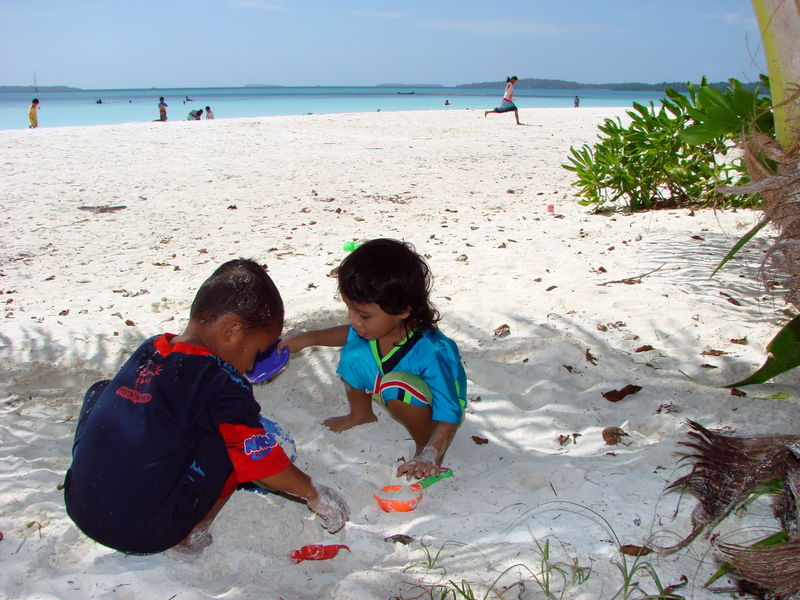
(392, 275)
(239, 286)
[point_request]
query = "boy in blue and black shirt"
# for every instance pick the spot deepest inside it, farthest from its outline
(160, 448)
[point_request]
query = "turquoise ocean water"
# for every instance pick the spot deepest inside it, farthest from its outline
(80, 107)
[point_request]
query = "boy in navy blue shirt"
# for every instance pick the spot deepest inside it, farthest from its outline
(160, 448)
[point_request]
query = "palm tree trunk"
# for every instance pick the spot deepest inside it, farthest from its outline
(779, 21)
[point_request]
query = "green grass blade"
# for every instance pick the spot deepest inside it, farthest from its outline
(784, 354)
(738, 245)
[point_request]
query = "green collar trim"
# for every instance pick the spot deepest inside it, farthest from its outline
(376, 353)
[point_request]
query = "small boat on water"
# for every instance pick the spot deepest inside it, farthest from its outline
(406, 93)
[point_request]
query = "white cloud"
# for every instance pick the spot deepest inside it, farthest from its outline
(259, 4)
(24, 12)
(378, 14)
(739, 18)
(495, 27)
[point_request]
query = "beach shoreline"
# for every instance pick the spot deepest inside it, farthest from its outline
(109, 229)
(98, 107)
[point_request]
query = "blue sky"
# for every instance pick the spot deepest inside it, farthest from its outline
(148, 43)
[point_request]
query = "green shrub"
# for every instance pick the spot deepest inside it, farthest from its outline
(650, 163)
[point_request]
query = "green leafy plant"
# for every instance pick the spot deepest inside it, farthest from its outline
(553, 578)
(727, 114)
(650, 163)
(556, 579)
(630, 566)
(431, 560)
(568, 576)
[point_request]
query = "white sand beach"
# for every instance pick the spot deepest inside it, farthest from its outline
(108, 231)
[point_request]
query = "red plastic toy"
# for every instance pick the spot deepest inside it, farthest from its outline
(316, 552)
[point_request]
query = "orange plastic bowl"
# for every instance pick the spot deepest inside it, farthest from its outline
(399, 498)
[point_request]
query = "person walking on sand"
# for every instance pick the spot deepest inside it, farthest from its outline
(162, 109)
(33, 117)
(577, 102)
(507, 104)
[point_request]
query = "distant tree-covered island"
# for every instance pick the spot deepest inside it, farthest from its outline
(560, 84)
(522, 84)
(40, 88)
(416, 85)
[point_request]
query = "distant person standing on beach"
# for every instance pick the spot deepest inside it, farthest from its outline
(209, 114)
(33, 117)
(577, 102)
(162, 109)
(507, 105)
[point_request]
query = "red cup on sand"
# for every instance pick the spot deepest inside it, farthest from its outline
(403, 498)
(551, 209)
(399, 497)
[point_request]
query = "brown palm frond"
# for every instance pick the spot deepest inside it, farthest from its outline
(774, 568)
(726, 471)
(786, 508)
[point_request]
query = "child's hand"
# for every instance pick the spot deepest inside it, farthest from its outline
(333, 336)
(330, 505)
(294, 344)
(420, 466)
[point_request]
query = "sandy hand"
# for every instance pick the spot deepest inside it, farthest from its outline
(330, 505)
(424, 464)
(294, 343)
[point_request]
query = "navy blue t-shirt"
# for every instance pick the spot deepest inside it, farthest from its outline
(176, 429)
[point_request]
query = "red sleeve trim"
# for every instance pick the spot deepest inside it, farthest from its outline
(254, 453)
(163, 345)
(229, 487)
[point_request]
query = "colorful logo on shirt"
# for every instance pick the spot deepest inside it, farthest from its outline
(146, 374)
(258, 446)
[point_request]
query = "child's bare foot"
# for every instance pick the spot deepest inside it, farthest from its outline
(339, 424)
